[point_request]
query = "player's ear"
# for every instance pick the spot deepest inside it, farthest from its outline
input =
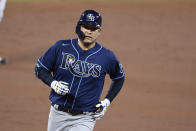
(99, 30)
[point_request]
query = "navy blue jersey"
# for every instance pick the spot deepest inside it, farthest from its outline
(85, 72)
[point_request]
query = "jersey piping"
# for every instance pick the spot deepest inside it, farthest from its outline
(81, 77)
(119, 77)
(42, 65)
(73, 75)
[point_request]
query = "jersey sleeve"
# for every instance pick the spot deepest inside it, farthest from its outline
(115, 69)
(47, 60)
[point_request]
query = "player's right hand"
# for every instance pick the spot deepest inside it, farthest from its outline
(60, 87)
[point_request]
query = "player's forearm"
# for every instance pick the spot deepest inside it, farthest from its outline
(115, 88)
(44, 75)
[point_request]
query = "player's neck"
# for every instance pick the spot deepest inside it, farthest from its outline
(85, 46)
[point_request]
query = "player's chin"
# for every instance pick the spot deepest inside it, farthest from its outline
(88, 40)
(87, 44)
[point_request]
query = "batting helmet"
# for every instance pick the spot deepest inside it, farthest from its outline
(88, 17)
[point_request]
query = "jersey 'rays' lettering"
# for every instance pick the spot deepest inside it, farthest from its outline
(79, 68)
(67, 60)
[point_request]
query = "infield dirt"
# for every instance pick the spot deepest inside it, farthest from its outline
(154, 41)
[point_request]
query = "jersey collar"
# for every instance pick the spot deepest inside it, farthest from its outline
(79, 49)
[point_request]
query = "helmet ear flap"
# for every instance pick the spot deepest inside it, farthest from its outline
(79, 32)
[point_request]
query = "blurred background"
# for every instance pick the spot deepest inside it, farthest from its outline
(153, 39)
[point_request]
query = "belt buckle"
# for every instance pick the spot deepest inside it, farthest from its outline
(56, 106)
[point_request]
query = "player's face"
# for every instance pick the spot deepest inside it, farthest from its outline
(91, 33)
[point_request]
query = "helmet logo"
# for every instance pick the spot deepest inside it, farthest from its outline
(90, 17)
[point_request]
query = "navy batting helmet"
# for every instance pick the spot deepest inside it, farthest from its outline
(88, 17)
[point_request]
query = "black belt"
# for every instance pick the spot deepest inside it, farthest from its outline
(67, 109)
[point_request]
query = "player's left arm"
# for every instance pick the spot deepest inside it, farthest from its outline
(116, 72)
(115, 88)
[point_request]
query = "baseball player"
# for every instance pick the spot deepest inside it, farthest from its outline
(75, 69)
(2, 8)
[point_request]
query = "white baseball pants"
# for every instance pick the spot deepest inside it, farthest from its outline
(62, 121)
